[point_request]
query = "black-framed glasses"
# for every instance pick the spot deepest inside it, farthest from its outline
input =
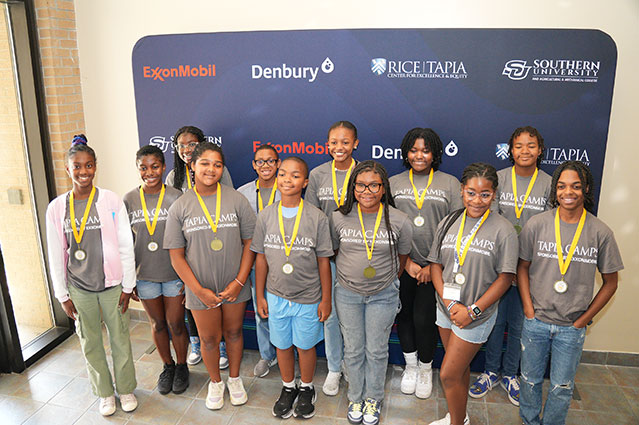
(372, 187)
(261, 162)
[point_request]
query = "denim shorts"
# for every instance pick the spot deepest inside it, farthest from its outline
(476, 335)
(292, 323)
(150, 290)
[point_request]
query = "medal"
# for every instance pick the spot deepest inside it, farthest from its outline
(216, 244)
(519, 210)
(339, 200)
(460, 254)
(369, 272)
(287, 268)
(260, 204)
(518, 228)
(460, 278)
(419, 200)
(80, 255)
(418, 221)
(152, 246)
(561, 286)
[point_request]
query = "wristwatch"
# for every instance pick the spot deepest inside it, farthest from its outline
(476, 310)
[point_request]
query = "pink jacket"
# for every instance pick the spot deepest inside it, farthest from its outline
(117, 243)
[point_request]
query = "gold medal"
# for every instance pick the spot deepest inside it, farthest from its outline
(77, 235)
(150, 226)
(287, 268)
(216, 245)
(152, 246)
(419, 200)
(561, 286)
(460, 254)
(369, 272)
(518, 228)
(419, 221)
(460, 278)
(518, 210)
(80, 255)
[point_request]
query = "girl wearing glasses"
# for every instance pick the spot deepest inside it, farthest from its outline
(473, 261)
(372, 240)
(427, 195)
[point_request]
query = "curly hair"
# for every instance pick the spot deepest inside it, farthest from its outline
(431, 140)
(587, 183)
(533, 133)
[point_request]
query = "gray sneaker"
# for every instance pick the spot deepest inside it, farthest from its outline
(262, 367)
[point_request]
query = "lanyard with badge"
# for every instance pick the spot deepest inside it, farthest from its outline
(260, 204)
(369, 271)
(452, 291)
(561, 285)
(519, 211)
(80, 254)
(287, 268)
(419, 200)
(152, 245)
(216, 244)
(339, 200)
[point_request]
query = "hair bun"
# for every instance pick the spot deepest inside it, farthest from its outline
(79, 139)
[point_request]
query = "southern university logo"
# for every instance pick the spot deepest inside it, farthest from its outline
(516, 69)
(502, 151)
(378, 66)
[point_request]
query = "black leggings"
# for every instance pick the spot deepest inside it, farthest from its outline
(191, 323)
(416, 321)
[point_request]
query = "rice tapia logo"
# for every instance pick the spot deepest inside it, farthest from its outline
(378, 66)
(501, 151)
(180, 71)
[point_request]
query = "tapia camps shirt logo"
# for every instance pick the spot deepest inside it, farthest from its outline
(501, 151)
(553, 70)
(423, 68)
(378, 66)
(180, 71)
(291, 72)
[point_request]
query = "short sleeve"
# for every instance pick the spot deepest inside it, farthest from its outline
(334, 231)
(173, 236)
(608, 256)
(324, 240)
(527, 241)
(257, 243)
(246, 217)
(405, 242)
(508, 253)
(311, 191)
(434, 256)
(455, 195)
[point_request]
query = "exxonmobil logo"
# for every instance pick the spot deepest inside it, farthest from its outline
(296, 148)
(180, 71)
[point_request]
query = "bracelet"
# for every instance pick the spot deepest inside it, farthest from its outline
(452, 303)
(471, 314)
(241, 284)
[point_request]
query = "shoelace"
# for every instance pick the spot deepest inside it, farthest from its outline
(485, 378)
(423, 376)
(356, 407)
(370, 408)
(514, 383)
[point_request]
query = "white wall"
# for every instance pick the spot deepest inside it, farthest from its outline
(108, 30)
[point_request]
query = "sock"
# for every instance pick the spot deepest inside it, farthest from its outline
(306, 384)
(428, 365)
(289, 384)
(237, 378)
(411, 358)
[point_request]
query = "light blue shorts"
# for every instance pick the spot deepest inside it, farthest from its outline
(476, 335)
(150, 290)
(292, 323)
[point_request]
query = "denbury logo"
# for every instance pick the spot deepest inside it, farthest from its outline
(308, 73)
(378, 66)
(516, 69)
(181, 71)
(557, 70)
(501, 151)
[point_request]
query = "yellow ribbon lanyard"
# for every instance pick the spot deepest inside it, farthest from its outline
(78, 235)
(378, 220)
(419, 200)
(151, 226)
(259, 195)
(296, 226)
(461, 258)
(218, 204)
(339, 200)
(188, 176)
(563, 266)
(518, 210)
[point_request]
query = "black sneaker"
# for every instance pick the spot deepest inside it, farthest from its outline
(165, 381)
(181, 379)
(305, 406)
(283, 407)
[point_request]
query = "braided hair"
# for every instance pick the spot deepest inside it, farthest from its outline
(587, 183)
(431, 140)
(533, 133)
(178, 165)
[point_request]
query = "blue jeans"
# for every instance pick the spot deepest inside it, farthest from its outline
(511, 312)
(267, 351)
(333, 342)
(564, 344)
(366, 323)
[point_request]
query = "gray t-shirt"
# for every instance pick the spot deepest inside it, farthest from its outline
(170, 179)
(249, 190)
(87, 274)
(152, 266)
(319, 191)
(352, 259)
(596, 250)
(442, 198)
(187, 227)
(537, 200)
(493, 251)
(313, 240)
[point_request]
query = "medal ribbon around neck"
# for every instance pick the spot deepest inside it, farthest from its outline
(218, 204)
(419, 200)
(563, 266)
(518, 210)
(78, 235)
(259, 195)
(188, 176)
(461, 258)
(296, 226)
(378, 220)
(339, 200)
(151, 226)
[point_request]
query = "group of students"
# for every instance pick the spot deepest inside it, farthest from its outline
(342, 263)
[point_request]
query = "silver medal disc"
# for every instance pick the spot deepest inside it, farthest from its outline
(80, 255)
(419, 221)
(152, 246)
(287, 268)
(561, 286)
(460, 279)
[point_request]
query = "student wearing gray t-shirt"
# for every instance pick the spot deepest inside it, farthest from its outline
(209, 233)
(473, 262)
(427, 195)
(372, 240)
(561, 250)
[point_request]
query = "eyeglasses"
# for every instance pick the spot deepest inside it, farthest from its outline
(372, 187)
(484, 196)
(261, 162)
(180, 146)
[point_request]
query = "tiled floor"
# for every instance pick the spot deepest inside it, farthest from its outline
(55, 390)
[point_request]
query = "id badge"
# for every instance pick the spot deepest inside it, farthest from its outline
(452, 291)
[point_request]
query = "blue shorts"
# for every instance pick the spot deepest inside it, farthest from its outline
(292, 323)
(476, 335)
(150, 290)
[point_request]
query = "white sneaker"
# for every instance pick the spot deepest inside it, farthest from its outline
(237, 393)
(129, 402)
(215, 396)
(107, 405)
(409, 379)
(331, 384)
(446, 420)
(424, 387)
